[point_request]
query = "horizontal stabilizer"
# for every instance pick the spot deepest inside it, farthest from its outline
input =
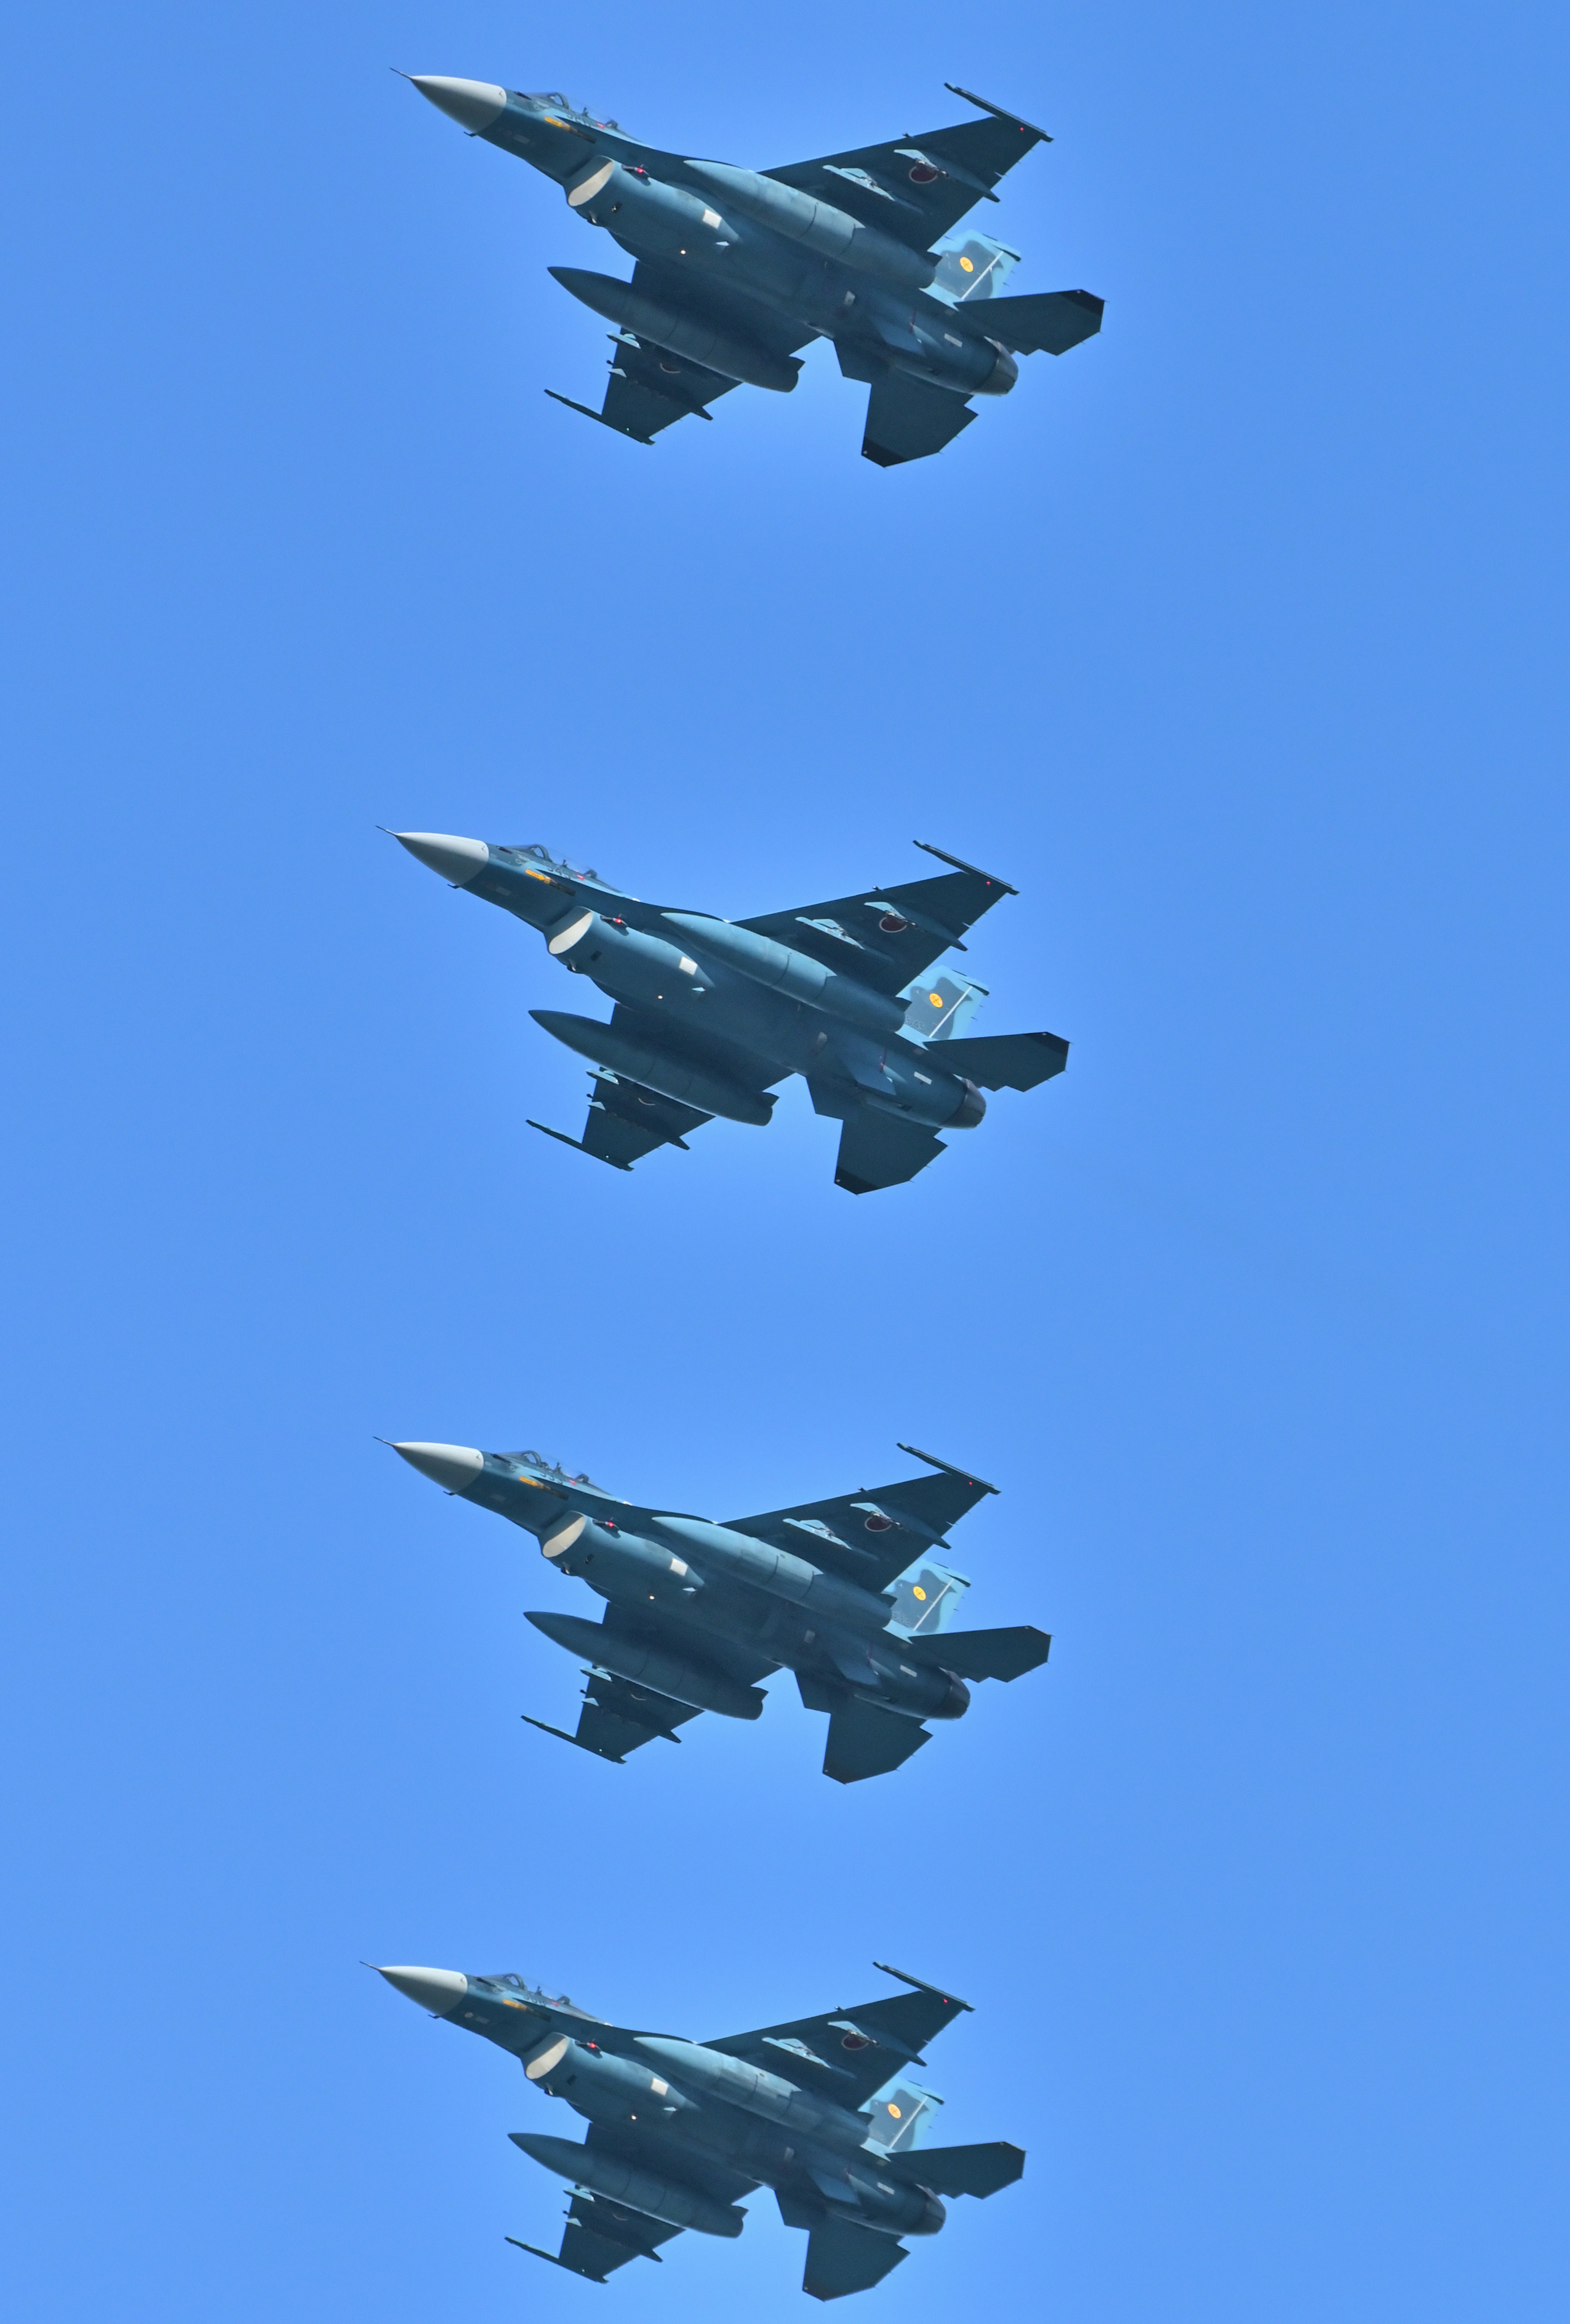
(1039, 322)
(959, 2169)
(876, 1150)
(841, 2258)
(863, 1741)
(1018, 1061)
(907, 420)
(982, 1654)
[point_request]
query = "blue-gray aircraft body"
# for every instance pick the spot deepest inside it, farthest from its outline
(821, 2110)
(711, 1013)
(850, 1594)
(737, 269)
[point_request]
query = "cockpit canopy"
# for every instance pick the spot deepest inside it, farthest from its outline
(532, 852)
(544, 1468)
(554, 99)
(516, 1984)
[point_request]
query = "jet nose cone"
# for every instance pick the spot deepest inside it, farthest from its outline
(457, 860)
(474, 105)
(440, 1991)
(451, 1465)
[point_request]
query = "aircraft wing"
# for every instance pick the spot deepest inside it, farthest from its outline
(918, 186)
(626, 1121)
(601, 2235)
(849, 2054)
(650, 388)
(887, 936)
(872, 1534)
(618, 1716)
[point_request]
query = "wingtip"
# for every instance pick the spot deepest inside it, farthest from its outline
(960, 864)
(921, 1986)
(933, 1461)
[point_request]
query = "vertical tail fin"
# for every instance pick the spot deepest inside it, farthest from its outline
(897, 2115)
(941, 1006)
(927, 1598)
(972, 267)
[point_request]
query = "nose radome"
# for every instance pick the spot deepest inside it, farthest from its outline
(451, 1465)
(474, 105)
(440, 1991)
(457, 860)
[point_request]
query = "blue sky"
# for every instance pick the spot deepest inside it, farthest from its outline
(1235, 640)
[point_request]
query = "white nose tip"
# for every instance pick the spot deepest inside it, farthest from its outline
(455, 1466)
(457, 860)
(440, 1991)
(473, 104)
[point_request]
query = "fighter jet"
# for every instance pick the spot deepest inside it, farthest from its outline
(848, 1594)
(710, 1013)
(736, 270)
(820, 2110)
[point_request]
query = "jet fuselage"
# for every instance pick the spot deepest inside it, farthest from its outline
(687, 980)
(724, 1587)
(656, 206)
(720, 2109)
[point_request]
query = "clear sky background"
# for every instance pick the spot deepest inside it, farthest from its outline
(1235, 640)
